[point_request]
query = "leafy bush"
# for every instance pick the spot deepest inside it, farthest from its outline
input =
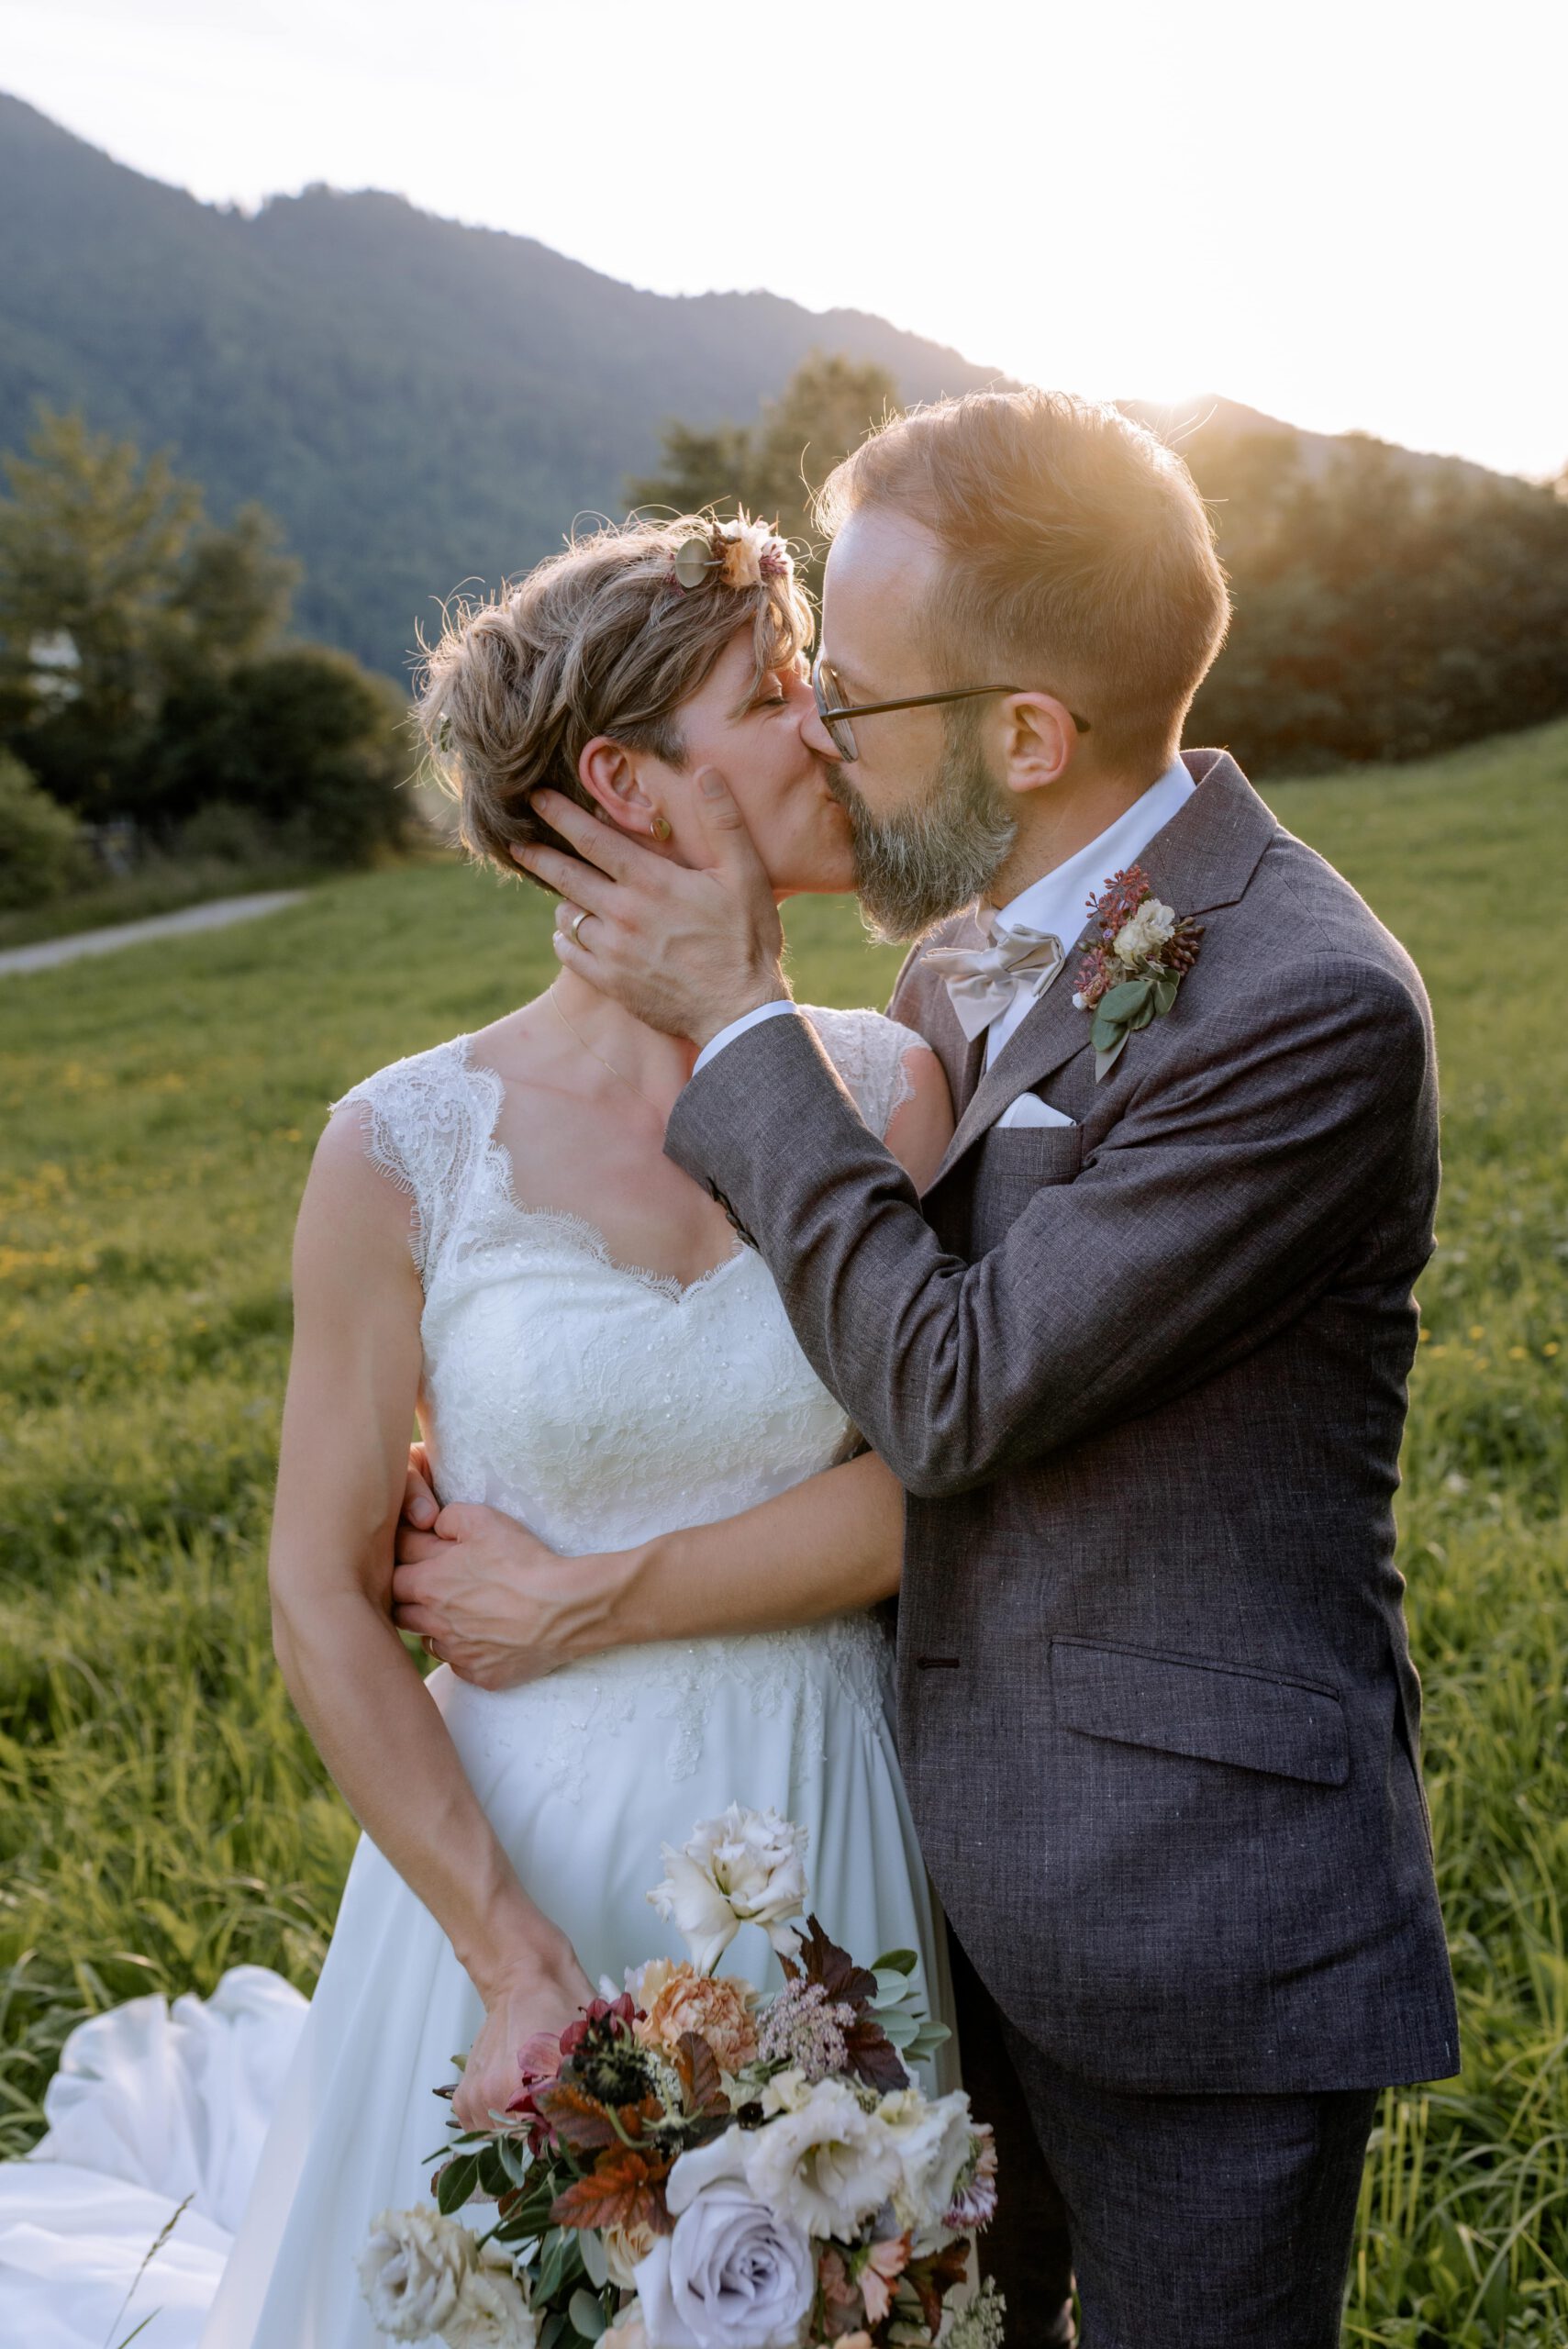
(305, 745)
(43, 850)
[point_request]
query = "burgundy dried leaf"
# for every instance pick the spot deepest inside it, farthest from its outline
(700, 2078)
(579, 2119)
(873, 2056)
(930, 2278)
(624, 2189)
(819, 1959)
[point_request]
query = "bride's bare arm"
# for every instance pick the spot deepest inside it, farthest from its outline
(502, 1607)
(352, 1383)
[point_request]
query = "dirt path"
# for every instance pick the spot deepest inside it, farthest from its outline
(216, 914)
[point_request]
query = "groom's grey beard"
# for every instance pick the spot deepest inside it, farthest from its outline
(914, 868)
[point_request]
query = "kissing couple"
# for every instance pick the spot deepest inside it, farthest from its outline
(1069, 1303)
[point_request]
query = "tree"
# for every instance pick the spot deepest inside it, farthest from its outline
(42, 853)
(310, 746)
(1387, 606)
(775, 466)
(113, 589)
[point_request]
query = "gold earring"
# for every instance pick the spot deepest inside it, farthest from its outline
(660, 827)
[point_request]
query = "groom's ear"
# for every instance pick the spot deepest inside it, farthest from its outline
(1038, 742)
(608, 771)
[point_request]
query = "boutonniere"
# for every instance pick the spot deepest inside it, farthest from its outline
(1130, 974)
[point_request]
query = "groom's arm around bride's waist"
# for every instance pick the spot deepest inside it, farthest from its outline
(1249, 1152)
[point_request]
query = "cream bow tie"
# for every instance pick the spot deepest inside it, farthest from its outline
(982, 981)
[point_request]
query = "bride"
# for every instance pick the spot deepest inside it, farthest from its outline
(492, 1236)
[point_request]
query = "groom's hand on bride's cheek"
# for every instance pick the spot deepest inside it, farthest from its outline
(686, 948)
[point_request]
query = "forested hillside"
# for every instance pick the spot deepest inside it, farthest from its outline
(418, 403)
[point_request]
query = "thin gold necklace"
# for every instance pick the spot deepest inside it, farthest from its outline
(572, 1030)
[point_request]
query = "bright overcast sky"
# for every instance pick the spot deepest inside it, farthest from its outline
(1349, 214)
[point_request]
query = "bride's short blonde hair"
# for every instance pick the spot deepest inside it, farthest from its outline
(597, 639)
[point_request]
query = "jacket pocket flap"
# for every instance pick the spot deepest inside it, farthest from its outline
(1212, 1712)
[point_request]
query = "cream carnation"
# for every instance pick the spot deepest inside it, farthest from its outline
(745, 1867)
(1144, 932)
(717, 2007)
(412, 2270)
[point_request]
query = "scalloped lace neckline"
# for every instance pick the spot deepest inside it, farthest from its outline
(576, 1228)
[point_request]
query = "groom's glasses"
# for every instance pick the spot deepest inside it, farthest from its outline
(836, 712)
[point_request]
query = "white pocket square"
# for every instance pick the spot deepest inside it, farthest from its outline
(1028, 1109)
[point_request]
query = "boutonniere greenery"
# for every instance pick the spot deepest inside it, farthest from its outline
(1130, 974)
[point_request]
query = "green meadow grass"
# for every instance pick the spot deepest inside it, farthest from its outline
(162, 1813)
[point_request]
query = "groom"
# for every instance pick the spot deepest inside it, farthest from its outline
(1139, 1355)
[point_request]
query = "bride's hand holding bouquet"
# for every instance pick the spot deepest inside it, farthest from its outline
(537, 1990)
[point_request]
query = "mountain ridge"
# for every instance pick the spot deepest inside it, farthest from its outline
(421, 402)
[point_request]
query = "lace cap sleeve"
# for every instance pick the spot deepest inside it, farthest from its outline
(869, 1052)
(425, 1122)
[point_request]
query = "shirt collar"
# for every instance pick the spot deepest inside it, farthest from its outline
(1059, 901)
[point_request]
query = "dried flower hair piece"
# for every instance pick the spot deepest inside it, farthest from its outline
(737, 555)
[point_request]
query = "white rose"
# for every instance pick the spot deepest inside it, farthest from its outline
(412, 2270)
(1145, 931)
(933, 2137)
(624, 2246)
(491, 2313)
(746, 1867)
(827, 2165)
(732, 2275)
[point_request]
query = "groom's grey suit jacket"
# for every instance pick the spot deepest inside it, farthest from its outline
(1144, 1379)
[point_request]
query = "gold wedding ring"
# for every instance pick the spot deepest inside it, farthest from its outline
(431, 1649)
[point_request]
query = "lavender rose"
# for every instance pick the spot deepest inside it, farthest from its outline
(731, 2277)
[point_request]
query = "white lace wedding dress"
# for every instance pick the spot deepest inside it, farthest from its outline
(600, 1405)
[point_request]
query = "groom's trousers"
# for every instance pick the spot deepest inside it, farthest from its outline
(1188, 2221)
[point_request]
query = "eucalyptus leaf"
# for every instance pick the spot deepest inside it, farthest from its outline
(586, 2315)
(457, 2182)
(593, 2250)
(891, 1984)
(896, 1961)
(902, 2029)
(554, 2330)
(926, 2042)
(1104, 1031)
(1124, 1001)
(553, 2264)
(1105, 1061)
(1141, 1018)
(1165, 994)
(514, 2161)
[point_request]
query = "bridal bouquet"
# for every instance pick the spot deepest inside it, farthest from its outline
(692, 2165)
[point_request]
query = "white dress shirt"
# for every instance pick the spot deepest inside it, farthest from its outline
(1058, 901)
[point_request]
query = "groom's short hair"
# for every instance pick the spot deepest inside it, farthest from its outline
(1079, 554)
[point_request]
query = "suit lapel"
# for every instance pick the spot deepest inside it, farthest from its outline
(1203, 859)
